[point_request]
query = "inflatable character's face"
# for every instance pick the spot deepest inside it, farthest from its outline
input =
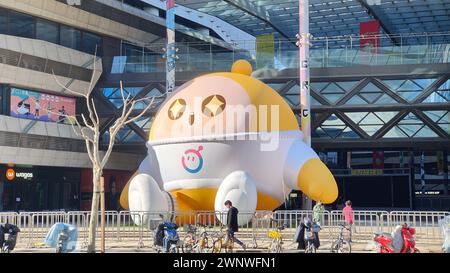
(221, 103)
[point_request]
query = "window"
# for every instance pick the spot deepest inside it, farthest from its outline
(47, 31)
(70, 37)
(3, 21)
(90, 42)
(21, 25)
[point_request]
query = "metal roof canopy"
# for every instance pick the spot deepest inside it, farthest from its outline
(330, 18)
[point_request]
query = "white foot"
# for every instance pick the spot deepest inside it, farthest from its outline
(146, 200)
(239, 188)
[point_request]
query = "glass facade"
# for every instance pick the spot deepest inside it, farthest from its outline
(375, 95)
(441, 95)
(45, 188)
(114, 95)
(21, 25)
(27, 26)
(128, 134)
(135, 59)
(409, 89)
(3, 21)
(90, 43)
(70, 37)
(47, 31)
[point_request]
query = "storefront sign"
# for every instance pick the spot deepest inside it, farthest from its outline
(11, 174)
(24, 175)
(367, 172)
(429, 192)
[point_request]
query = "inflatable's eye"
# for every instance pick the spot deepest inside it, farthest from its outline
(177, 109)
(213, 105)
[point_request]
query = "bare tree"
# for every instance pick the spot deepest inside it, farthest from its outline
(89, 129)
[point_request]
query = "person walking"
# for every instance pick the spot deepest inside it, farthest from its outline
(347, 211)
(299, 236)
(37, 107)
(318, 211)
(232, 224)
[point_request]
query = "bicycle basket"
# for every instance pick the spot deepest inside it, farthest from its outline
(274, 234)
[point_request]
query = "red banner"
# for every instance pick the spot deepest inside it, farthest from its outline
(378, 160)
(370, 35)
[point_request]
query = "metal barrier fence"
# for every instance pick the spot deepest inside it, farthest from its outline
(121, 227)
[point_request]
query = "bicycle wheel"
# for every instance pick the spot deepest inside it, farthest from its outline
(229, 249)
(310, 248)
(341, 246)
(275, 247)
(217, 246)
(173, 248)
(187, 246)
(204, 247)
(229, 246)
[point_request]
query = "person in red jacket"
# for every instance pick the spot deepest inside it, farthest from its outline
(347, 211)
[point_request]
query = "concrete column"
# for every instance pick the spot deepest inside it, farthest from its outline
(445, 173)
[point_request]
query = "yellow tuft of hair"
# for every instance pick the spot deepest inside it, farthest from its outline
(242, 67)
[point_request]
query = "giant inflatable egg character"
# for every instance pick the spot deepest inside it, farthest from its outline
(225, 136)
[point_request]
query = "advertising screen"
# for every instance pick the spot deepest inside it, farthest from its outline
(41, 106)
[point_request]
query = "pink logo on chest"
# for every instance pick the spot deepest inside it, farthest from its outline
(192, 160)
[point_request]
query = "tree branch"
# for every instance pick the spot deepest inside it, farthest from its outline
(65, 87)
(142, 113)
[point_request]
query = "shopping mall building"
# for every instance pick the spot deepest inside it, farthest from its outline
(380, 89)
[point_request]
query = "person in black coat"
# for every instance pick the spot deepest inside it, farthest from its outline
(232, 223)
(300, 236)
(304, 225)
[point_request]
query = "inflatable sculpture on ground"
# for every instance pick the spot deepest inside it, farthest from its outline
(225, 136)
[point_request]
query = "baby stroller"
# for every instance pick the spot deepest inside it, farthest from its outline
(63, 237)
(8, 244)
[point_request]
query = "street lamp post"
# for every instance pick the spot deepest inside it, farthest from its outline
(303, 45)
(170, 46)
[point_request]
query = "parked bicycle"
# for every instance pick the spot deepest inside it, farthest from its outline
(193, 242)
(222, 242)
(277, 240)
(341, 245)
